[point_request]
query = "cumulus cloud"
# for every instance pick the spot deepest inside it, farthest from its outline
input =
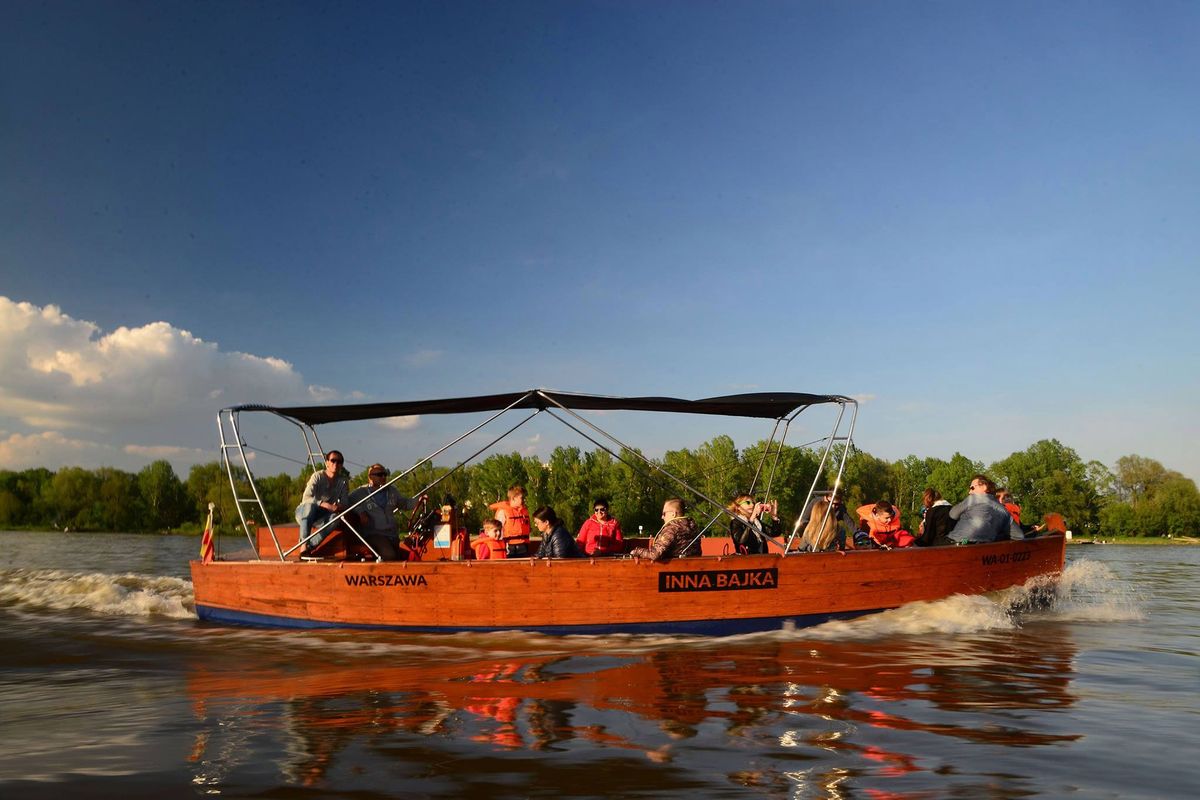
(401, 423)
(77, 393)
(50, 449)
(61, 372)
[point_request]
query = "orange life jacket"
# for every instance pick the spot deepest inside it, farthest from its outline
(865, 515)
(487, 548)
(891, 534)
(516, 522)
(1015, 511)
(1055, 523)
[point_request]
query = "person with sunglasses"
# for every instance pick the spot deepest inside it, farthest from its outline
(326, 493)
(981, 517)
(678, 537)
(600, 534)
(750, 523)
(380, 526)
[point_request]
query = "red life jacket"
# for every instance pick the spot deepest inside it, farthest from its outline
(1015, 511)
(487, 548)
(516, 522)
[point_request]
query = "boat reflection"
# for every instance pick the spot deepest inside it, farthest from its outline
(825, 703)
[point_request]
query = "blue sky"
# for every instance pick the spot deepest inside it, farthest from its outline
(980, 218)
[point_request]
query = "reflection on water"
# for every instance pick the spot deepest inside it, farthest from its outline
(796, 701)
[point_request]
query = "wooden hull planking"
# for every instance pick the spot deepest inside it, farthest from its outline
(710, 595)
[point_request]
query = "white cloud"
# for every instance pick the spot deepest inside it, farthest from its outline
(171, 452)
(60, 372)
(50, 449)
(401, 423)
(76, 394)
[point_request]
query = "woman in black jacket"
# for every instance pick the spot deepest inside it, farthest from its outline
(750, 522)
(556, 541)
(935, 522)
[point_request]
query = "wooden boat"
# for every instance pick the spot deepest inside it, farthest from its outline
(712, 594)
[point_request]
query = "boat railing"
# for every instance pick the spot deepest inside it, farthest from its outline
(246, 494)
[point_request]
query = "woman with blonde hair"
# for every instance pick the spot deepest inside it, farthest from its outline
(750, 523)
(821, 533)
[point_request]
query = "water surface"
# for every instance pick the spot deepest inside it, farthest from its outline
(109, 686)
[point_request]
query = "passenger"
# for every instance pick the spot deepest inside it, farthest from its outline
(514, 516)
(678, 537)
(1052, 523)
(748, 528)
(1006, 499)
(556, 541)
(823, 531)
(881, 524)
(490, 544)
(838, 512)
(380, 528)
(600, 534)
(325, 494)
(935, 522)
(981, 518)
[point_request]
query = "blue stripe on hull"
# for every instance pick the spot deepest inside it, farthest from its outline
(705, 627)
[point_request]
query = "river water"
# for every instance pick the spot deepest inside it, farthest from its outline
(110, 687)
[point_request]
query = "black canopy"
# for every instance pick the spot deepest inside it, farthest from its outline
(765, 405)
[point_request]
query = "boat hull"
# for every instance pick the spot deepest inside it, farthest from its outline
(710, 595)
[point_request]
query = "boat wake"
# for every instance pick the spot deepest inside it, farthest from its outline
(1092, 591)
(1085, 591)
(127, 595)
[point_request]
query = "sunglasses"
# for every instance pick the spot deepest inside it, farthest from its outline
(335, 461)
(747, 502)
(600, 508)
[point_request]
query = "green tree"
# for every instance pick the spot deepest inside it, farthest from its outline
(1174, 508)
(119, 504)
(1046, 477)
(792, 478)
(951, 478)
(867, 479)
(164, 498)
(208, 483)
(1138, 477)
(636, 493)
(73, 494)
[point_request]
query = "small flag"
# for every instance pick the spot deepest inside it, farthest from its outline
(206, 540)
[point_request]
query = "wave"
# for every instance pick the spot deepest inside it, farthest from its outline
(128, 595)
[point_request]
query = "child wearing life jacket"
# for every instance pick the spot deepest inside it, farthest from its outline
(881, 524)
(514, 516)
(490, 543)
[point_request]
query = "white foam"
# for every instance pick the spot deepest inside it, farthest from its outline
(1091, 591)
(128, 595)
(955, 614)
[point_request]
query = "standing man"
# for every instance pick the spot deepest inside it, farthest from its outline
(981, 517)
(677, 537)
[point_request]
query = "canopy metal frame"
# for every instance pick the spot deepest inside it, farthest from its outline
(783, 408)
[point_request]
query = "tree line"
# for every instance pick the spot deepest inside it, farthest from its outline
(1137, 497)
